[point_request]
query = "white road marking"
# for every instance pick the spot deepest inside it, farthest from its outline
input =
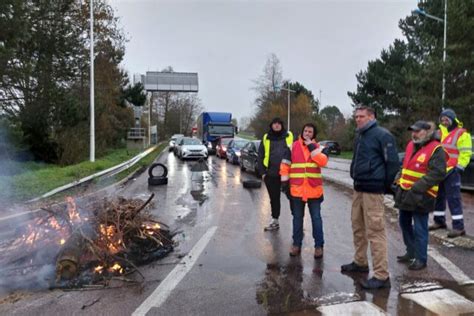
(442, 302)
(161, 293)
(450, 267)
(352, 308)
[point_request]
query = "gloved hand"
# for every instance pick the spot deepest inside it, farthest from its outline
(285, 188)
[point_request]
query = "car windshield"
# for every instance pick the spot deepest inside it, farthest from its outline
(240, 143)
(191, 141)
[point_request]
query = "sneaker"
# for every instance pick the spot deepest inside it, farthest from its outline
(374, 283)
(354, 267)
(274, 225)
(318, 252)
(456, 233)
(417, 265)
(436, 226)
(295, 251)
(406, 258)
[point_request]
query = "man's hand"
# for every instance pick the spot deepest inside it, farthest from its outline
(285, 188)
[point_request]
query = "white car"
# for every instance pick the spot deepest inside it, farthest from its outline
(191, 148)
(173, 140)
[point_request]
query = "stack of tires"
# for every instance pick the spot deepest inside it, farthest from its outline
(157, 174)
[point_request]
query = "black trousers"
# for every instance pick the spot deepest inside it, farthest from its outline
(273, 184)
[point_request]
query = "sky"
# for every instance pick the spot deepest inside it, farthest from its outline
(321, 44)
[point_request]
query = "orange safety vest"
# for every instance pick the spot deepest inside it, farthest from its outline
(301, 168)
(414, 168)
(450, 146)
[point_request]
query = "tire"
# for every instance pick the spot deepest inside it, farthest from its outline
(252, 184)
(157, 181)
(164, 174)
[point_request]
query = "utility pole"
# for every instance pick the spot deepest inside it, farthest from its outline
(92, 109)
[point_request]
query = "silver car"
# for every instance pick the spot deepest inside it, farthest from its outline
(191, 148)
(173, 140)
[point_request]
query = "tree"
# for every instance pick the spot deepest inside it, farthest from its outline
(333, 116)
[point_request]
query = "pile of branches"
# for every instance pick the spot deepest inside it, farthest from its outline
(108, 239)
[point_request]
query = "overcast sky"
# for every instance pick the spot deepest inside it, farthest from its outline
(321, 44)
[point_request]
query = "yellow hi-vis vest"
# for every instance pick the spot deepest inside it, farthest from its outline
(266, 146)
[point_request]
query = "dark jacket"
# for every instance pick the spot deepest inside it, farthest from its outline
(375, 161)
(278, 147)
(416, 199)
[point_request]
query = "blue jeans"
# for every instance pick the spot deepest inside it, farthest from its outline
(297, 209)
(415, 236)
(450, 189)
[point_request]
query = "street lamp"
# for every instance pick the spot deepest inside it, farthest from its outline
(289, 91)
(445, 22)
(92, 109)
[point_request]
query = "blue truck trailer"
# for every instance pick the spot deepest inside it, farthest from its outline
(213, 125)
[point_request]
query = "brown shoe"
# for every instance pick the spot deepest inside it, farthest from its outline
(295, 251)
(436, 226)
(318, 252)
(456, 233)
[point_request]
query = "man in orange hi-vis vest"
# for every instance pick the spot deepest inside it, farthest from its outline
(424, 167)
(302, 182)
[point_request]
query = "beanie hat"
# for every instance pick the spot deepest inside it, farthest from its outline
(449, 113)
(277, 120)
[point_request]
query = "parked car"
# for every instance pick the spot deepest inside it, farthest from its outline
(172, 142)
(176, 145)
(221, 147)
(233, 150)
(191, 148)
(332, 146)
(248, 157)
(467, 177)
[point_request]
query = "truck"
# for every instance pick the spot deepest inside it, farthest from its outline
(213, 125)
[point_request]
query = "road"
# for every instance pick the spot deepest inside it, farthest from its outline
(225, 264)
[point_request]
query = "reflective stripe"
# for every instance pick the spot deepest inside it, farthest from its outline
(285, 178)
(286, 161)
(456, 217)
(304, 165)
(464, 149)
(439, 213)
(307, 175)
(413, 173)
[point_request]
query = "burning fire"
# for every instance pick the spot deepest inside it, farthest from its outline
(72, 210)
(110, 237)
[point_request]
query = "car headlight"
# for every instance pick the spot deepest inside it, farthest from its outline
(224, 149)
(185, 150)
(209, 145)
(237, 153)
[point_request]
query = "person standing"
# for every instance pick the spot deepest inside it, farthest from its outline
(270, 153)
(458, 144)
(302, 182)
(424, 167)
(373, 168)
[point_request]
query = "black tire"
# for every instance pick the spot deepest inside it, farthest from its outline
(252, 184)
(161, 166)
(157, 180)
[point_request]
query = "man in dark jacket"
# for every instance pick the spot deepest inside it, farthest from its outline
(270, 153)
(424, 167)
(373, 168)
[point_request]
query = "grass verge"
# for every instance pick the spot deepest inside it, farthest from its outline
(37, 179)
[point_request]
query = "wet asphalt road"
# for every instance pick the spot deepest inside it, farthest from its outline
(244, 270)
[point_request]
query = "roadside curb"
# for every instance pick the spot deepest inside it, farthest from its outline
(466, 242)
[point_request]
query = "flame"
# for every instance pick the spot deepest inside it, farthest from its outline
(72, 210)
(110, 237)
(99, 269)
(116, 268)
